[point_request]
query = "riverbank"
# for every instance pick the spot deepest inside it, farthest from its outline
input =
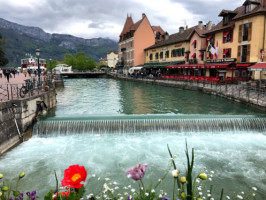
(18, 114)
(242, 93)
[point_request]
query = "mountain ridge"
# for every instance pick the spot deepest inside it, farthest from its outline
(26, 39)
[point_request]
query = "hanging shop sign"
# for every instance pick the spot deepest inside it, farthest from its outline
(222, 60)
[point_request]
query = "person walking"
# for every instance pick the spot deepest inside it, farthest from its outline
(25, 72)
(8, 74)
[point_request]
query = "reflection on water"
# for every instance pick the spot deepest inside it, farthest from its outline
(85, 97)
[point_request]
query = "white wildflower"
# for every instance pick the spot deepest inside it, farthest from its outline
(115, 183)
(99, 178)
(254, 188)
(133, 190)
(116, 188)
(125, 188)
(129, 186)
(141, 188)
(239, 196)
(197, 180)
(203, 197)
(153, 191)
(125, 193)
(253, 194)
(93, 175)
(159, 180)
(147, 194)
(210, 179)
(199, 188)
(107, 179)
(211, 198)
(160, 195)
(227, 197)
(209, 195)
(212, 172)
(200, 193)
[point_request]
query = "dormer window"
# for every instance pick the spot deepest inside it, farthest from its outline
(248, 8)
(226, 20)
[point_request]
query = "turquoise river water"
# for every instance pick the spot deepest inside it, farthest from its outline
(109, 126)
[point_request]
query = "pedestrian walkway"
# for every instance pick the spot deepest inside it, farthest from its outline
(19, 79)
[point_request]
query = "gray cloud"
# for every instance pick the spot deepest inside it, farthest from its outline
(52, 15)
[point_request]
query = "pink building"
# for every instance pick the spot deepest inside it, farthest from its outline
(134, 38)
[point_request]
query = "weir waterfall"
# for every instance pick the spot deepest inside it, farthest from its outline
(109, 126)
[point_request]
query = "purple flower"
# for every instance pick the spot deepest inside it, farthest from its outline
(137, 172)
(129, 197)
(165, 198)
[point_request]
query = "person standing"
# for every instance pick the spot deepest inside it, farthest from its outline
(25, 72)
(8, 74)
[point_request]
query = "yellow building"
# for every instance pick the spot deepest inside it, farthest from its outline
(237, 42)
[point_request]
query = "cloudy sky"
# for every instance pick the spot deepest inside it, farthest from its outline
(105, 18)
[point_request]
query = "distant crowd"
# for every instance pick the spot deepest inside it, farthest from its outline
(12, 72)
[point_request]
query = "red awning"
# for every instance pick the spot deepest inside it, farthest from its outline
(194, 42)
(225, 51)
(209, 37)
(197, 66)
(193, 56)
(217, 65)
(258, 67)
(226, 33)
(243, 65)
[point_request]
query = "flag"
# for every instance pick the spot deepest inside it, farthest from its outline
(217, 50)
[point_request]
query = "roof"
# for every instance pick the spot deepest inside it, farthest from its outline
(175, 38)
(158, 29)
(242, 14)
(109, 52)
(127, 26)
(226, 12)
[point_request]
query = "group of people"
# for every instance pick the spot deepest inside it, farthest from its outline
(11, 72)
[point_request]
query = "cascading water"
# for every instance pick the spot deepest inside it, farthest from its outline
(109, 126)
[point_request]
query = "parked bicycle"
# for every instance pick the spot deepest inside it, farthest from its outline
(28, 87)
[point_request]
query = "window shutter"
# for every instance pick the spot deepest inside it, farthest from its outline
(248, 53)
(238, 54)
(240, 33)
(232, 35)
(249, 31)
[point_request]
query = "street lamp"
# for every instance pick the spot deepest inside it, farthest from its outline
(50, 64)
(38, 54)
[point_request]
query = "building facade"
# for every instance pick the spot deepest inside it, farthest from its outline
(112, 58)
(134, 38)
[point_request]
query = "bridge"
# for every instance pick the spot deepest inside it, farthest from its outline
(83, 74)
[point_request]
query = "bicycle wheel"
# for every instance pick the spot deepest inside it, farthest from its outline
(23, 91)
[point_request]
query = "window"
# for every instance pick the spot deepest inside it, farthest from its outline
(245, 32)
(225, 20)
(244, 73)
(194, 43)
(227, 53)
(151, 55)
(248, 8)
(202, 56)
(167, 54)
(237, 73)
(173, 53)
(161, 55)
(244, 53)
(157, 56)
(228, 36)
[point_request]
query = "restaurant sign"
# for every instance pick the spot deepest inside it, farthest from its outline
(222, 60)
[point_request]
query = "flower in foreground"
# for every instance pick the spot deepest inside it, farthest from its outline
(61, 194)
(203, 176)
(21, 175)
(1, 176)
(175, 173)
(73, 176)
(183, 179)
(138, 172)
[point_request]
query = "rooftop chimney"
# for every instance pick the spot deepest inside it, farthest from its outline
(181, 29)
(200, 25)
(166, 36)
(209, 25)
(143, 15)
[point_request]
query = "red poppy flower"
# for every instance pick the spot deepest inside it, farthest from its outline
(73, 176)
(62, 194)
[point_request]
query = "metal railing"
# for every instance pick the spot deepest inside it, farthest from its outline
(28, 89)
(252, 93)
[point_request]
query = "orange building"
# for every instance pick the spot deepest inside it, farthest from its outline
(134, 38)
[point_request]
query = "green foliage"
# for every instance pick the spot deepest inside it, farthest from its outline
(80, 61)
(3, 59)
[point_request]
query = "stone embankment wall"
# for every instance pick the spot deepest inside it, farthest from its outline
(18, 116)
(236, 92)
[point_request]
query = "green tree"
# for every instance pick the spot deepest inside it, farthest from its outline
(51, 64)
(3, 59)
(69, 59)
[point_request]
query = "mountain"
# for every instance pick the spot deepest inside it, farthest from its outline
(26, 39)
